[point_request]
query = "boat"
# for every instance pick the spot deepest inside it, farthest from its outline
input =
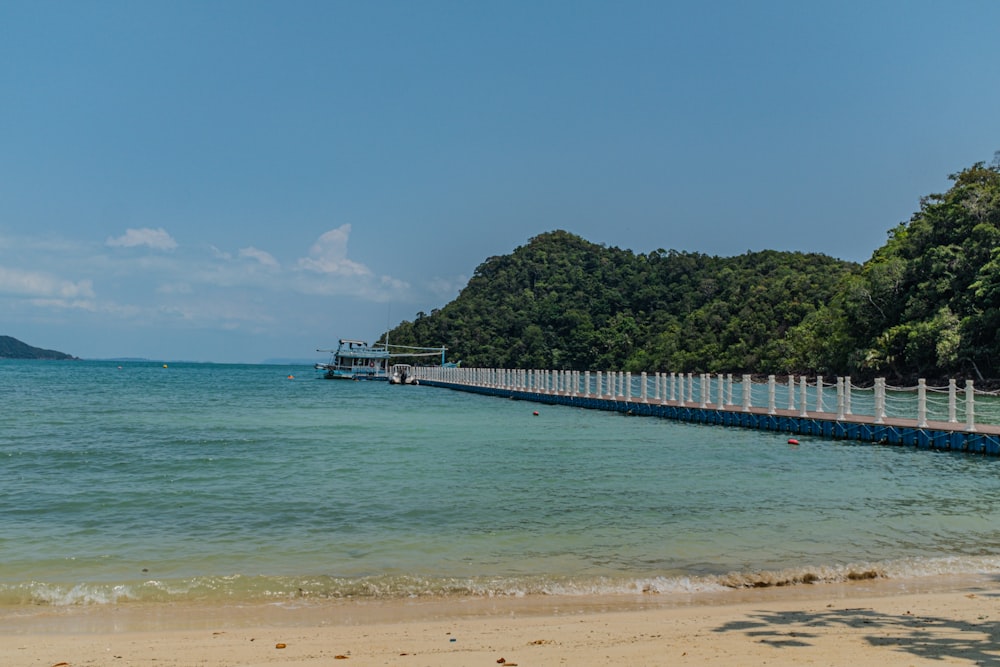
(356, 360)
(402, 374)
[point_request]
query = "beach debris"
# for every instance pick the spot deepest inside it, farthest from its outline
(540, 642)
(61, 664)
(341, 657)
(280, 645)
(500, 661)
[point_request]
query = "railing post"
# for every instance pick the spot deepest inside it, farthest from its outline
(705, 389)
(819, 393)
(771, 409)
(642, 379)
(803, 397)
(628, 386)
(847, 395)
(952, 396)
(729, 389)
(691, 387)
(747, 390)
(921, 403)
(840, 398)
(673, 387)
(791, 391)
(586, 384)
(970, 406)
(722, 391)
(879, 400)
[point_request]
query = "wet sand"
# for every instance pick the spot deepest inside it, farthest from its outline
(932, 621)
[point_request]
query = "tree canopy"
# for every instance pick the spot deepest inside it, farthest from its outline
(562, 302)
(925, 304)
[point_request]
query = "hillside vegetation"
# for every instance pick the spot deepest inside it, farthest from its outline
(925, 304)
(12, 348)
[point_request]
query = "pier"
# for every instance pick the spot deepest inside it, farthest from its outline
(950, 418)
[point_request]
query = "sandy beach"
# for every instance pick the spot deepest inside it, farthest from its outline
(933, 622)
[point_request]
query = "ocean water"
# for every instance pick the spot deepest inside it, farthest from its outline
(202, 482)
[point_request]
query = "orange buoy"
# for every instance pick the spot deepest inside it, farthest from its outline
(291, 377)
(535, 413)
(793, 441)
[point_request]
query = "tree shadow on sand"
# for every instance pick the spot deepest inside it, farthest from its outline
(930, 637)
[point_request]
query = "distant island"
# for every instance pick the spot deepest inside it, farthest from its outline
(12, 348)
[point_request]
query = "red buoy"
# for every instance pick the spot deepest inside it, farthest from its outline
(793, 441)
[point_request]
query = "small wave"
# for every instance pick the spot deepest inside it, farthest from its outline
(239, 588)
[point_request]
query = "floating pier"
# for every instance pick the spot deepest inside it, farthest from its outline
(838, 410)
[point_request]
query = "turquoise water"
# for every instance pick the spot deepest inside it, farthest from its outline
(229, 482)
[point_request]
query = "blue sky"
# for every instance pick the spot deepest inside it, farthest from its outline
(235, 181)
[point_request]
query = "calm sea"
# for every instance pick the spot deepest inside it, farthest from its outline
(227, 482)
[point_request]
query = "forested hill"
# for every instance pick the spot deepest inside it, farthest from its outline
(12, 348)
(927, 304)
(565, 303)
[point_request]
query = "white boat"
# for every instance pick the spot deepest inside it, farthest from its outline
(357, 360)
(402, 374)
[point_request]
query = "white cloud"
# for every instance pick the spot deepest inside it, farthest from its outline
(265, 258)
(39, 284)
(220, 254)
(328, 255)
(157, 239)
(174, 288)
(394, 283)
(447, 288)
(65, 304)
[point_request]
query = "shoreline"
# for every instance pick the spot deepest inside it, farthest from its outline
(905, 622)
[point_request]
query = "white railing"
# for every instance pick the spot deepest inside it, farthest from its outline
(839, 398)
